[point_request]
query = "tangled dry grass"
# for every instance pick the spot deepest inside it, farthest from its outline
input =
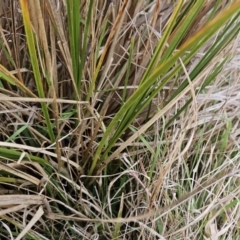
(170, 171)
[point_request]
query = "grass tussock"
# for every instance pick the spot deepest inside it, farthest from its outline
(119, 119)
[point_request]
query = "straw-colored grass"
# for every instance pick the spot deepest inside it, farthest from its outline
(119, 119)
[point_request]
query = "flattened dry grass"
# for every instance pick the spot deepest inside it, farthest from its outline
(119, 119)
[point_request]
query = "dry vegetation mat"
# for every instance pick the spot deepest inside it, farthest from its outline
(119, 119)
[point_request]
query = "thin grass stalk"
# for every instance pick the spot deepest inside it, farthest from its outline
(86, 37)
(128, 70)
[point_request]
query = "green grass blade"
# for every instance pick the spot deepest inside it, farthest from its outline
(73, 8)
(35, 66)
(128, 70)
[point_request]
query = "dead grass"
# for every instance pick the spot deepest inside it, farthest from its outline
(169, 175)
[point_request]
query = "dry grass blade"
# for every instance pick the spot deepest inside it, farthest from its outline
(13, 209)
(18, 173)
(8, 200)
(38, 100)
(33, 221)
